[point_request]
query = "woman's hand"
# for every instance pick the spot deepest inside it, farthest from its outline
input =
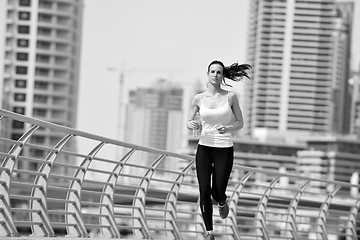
(192, 124)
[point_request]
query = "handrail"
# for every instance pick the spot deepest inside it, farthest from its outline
(49, 188)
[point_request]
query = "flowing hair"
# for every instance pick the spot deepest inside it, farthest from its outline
(235, 72)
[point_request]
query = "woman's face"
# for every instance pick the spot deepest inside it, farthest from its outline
(215, 74)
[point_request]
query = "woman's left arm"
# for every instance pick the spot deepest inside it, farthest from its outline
(239, 121)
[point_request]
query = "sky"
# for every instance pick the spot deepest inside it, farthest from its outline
(147, 40)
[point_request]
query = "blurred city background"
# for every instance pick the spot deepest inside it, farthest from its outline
(127, 70)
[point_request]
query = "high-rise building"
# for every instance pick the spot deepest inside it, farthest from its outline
(39, 63)
(355, 105)
(300, 53)
(154, 117)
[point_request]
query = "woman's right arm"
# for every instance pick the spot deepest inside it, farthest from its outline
(194, 108)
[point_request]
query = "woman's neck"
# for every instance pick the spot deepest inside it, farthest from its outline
(215, 90)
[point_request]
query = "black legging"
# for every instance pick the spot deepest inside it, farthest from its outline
(217, 162)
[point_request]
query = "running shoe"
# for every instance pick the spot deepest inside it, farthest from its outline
(223, 210)
(209, 236)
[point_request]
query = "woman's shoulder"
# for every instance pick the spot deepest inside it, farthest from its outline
(232, 96)
(198, 96)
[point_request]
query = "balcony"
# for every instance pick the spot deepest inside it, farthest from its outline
(57, 190)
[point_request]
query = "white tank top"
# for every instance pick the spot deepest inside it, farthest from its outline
(211, 120)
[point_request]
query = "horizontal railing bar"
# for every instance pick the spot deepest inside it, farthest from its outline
(95, 225)
(4, 169)
(159, 219)
(94, 214)
(163, 180)
(100, 171)
(25, 184)
(126, 206)
(23, 197)
(27, 223)
(63, 189)
(68, 130)
(22, 171)
(128, 164)
(6, 155)
(59, 200)
(52, 175)
(10, 141)
(131, 176)
(157, 209)
(86, 203)
(94, 193)
(24, 210)
(62, 224)
(30, 159)
(126, 217)
(60, 212)
(122, 187)
(38, 147)
(97, 182)
(74, 154)
(58, 164)
(105, 160)
(124, 196)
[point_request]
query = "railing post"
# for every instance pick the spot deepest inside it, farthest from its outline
(41, 192)
(261, 210)
(291, 218)
(350, 226)
(7, 226)
(171, 200)
(141, 228)
(323, 213)
(108, 199)
(76, 227)
(233, 201)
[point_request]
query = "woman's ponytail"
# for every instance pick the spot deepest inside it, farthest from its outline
(236, 72)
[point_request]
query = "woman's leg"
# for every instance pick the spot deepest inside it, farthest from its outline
(223, 162)
(203, 172)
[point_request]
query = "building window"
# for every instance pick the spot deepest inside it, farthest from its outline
(19, 110)
(20, 97)
(45, 17)
(41, 85)
(17, 124)
(44, 31)
(38, 139)
(24, 15)
(15, 136)
(42, 58)
(22, 56)
(45, 4)
(23, 29)
(43, 45)
(39, 112)
(40, 99)
(23, 43)
(19, 83)
(21, 70)
(25, 3)
(42, 72)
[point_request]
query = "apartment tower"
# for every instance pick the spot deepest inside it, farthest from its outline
(300, 53)
(154, 118)
(39, 63)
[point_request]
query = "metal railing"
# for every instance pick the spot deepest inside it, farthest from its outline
(49, 187)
